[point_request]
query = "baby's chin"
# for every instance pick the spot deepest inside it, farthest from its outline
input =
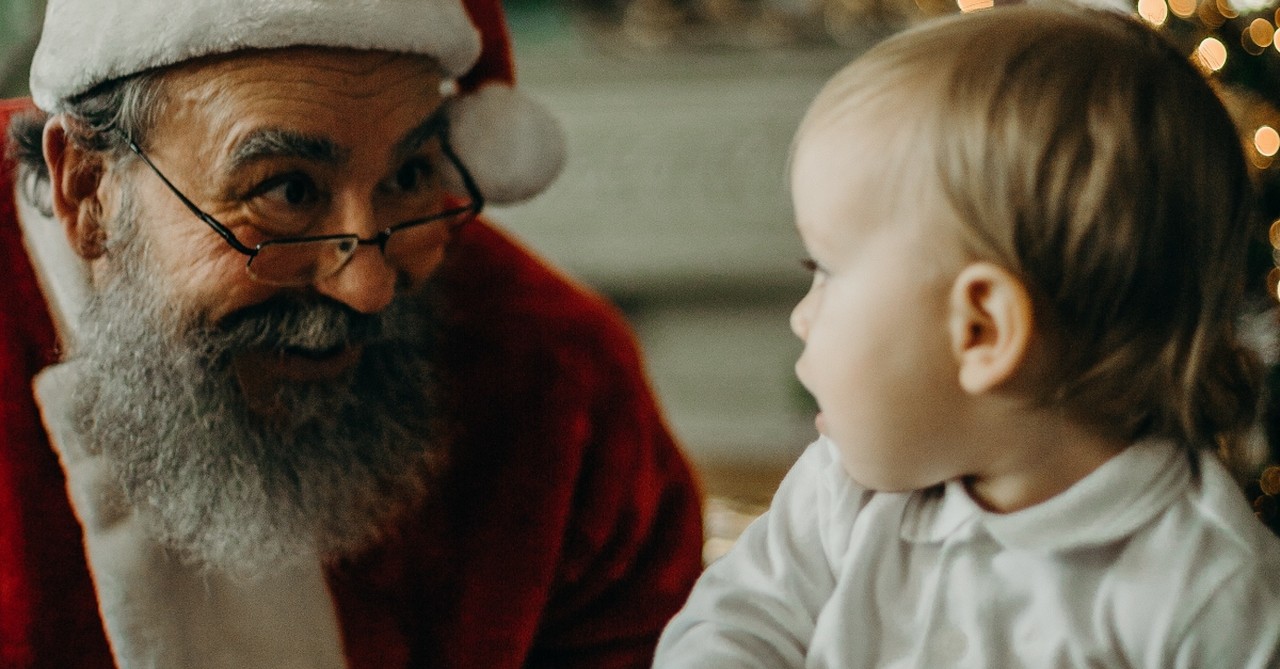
(877, 480)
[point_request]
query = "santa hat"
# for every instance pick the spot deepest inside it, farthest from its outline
(512, 146)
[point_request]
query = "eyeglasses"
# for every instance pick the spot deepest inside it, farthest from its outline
(298, 261)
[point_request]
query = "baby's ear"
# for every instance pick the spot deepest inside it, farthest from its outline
(991, 322)
(74, 176)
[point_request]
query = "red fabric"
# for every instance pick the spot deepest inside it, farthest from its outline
(48, 613)
(565, 535)
(495, 64)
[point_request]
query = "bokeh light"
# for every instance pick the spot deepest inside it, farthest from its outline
(1267, 141)
(1154, 11)
(967, 6)
(1249, 45)
(1182, 8)
(1261, 32)
(1208, 14)
(1212, 54)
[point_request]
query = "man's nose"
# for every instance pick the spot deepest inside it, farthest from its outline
(367, 283)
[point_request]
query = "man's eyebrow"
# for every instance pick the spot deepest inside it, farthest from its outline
(266, 143)
(418, 135)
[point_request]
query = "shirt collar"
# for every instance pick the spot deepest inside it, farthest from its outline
(1112, 502)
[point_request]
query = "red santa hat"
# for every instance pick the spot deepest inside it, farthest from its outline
(512, 146)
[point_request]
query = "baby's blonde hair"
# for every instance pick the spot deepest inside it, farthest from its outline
(1081, 151)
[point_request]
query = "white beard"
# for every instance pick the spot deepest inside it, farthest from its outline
(221, 485)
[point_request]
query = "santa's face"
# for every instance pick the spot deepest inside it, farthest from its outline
(290, 143)
(253, 423)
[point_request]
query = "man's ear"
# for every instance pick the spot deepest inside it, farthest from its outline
(991, 322)
(74, 176)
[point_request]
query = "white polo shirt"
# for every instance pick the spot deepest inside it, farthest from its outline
(1135, 565)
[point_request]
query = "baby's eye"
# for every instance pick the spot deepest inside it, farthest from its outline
(811, 266)
(817, 270)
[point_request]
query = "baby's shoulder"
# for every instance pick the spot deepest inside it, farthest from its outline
(1213, 525)
(1205, 573)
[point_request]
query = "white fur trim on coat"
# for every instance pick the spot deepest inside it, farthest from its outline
(88, 42)
(161, 612)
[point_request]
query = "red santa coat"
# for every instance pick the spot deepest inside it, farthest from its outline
(566, 532)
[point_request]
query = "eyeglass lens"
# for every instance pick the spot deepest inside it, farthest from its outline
(301, 261)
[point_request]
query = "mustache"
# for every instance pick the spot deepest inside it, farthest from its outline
(312, 323)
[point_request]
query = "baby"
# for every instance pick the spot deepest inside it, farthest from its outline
(1028, 230)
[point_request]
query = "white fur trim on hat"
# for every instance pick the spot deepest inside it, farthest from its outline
(88, 42)
(511, 144)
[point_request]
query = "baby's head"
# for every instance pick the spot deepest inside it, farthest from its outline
(1077, 156)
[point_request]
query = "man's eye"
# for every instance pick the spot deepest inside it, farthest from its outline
(414, 175)
(286, 204)
(295, 190)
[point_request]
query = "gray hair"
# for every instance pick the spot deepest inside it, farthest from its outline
(130, 105)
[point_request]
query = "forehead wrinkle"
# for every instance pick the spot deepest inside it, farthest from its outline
(266, 143)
